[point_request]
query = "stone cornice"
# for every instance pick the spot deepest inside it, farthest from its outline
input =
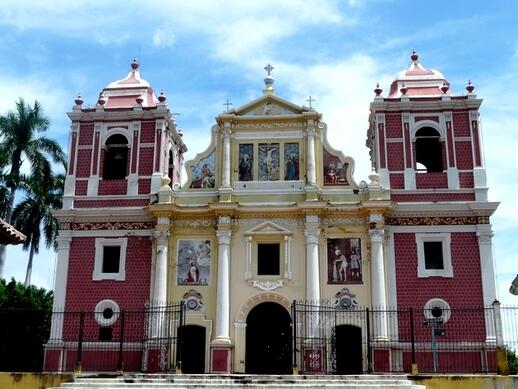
(443, 209)
(418, 104)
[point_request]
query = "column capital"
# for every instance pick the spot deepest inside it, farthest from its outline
(64, 240)
(224, 220)
(376, 217)
(161, 237)
(223, 236)
(312, 235)
(163, 221)
(485, 237)
(377, 234)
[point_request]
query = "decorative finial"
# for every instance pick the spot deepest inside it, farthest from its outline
(268, 81)
(162, 98)
(269, 68)
(403, 89)
(374, 177)
(227, 104)
(378, 90)
(79, 99)
(310, 100)
(134, 64)
(414, 57)
(470, 87)
(445, 87)
(101, 100)
(139, 99)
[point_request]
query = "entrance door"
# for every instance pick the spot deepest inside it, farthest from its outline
(268, 340)
(348, 349)
(193, 349)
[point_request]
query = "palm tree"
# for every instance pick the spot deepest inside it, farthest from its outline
(33, 215)
(21, 141)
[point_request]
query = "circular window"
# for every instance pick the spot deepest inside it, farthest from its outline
(106, 312)
(437, 309)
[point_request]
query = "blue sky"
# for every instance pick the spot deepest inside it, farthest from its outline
(203, 52)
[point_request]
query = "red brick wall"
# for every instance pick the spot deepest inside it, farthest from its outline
(464, 155)
(81, 188)
(83, 163)
(86, 132)
(113, 187)
(433, 197)
(147, 131)
(395, 156)
(463, 290)
(461, 124)
(146, 158)
(431, 180)
(144, 186)
(466, 180)
(393, 125)
(110, 203)
(84, 294)
(397, 181)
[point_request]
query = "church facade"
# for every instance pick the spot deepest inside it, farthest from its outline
(269, 214)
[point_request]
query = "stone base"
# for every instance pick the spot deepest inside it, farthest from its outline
(220, 358)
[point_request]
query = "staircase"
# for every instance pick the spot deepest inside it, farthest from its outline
(199, 381)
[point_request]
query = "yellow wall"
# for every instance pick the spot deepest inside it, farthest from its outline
(467, 382)
(33, 380)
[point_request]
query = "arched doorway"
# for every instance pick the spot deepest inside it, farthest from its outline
(192, 349)
(268, 340)
(348, 348)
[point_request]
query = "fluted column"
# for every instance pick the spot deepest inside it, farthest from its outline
(312, 233)
(60, 286)
(378, 290)
(223, 286)
(485, 245)
(226, 156)
(311, 163)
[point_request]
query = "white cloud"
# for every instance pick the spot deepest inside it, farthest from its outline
(164, 37)
(109, 38)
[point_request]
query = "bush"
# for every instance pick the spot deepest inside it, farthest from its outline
(512, 361)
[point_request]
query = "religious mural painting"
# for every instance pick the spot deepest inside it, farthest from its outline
(269, 161)
(291, 161)
(203, 172)
(193, 262)
(344, 261)
(335, 172)
(246, 162)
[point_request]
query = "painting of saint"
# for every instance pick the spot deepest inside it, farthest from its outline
(344, 261)
(203, 173)
(193, 262)
(334, 170)
(291, 161)
(268, 161)
(246, 162)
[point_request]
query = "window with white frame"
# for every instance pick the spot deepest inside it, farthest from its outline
(110, 259)
(434, 255)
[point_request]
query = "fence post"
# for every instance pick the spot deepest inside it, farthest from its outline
(369, 346)
(77, 368)
(120, 363)
(180, 340)
(294, 333)
(501, 351)
(415, 369)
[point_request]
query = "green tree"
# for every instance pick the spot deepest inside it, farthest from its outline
(25, 317)
(21, 137)
(512, 361)
(33, 215)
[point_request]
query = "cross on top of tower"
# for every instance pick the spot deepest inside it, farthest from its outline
(310, 100)
(269, 68)
(227, 104)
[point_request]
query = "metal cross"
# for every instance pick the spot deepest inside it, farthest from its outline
(227, 103)
(310, 100)
(269, 68)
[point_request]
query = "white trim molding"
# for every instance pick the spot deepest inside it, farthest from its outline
(100, 243)
(445, 239)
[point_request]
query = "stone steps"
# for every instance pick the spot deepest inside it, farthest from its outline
(200, 381)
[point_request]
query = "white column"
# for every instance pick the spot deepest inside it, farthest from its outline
(159, 296)
(311, 164)
(60, 286)
(223, 287)
(312, 233)
(485, 245)
(226, 156)
(378, 290)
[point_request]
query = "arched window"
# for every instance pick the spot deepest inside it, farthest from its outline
(428, 150)
(116, 158)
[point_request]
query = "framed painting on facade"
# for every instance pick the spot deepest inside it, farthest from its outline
(193, 261)
(344, 261)
(203, 173)
(291, 161)
(268, 161)
(246, 162)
